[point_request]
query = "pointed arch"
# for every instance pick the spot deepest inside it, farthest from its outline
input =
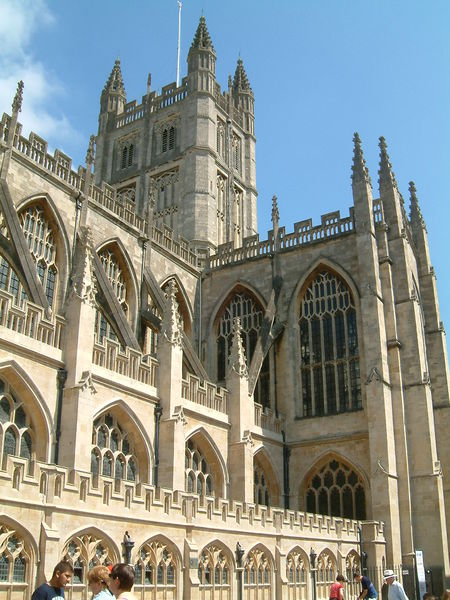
(183, 301)
(215, 569)
(335, 486)
(258, 566)
(214, 458)
(24, 533)
(100, 534)
(131, 423)
(121, 254)
(297, 572)
(63, 246)
(19, 553)
(220, 544)
(37, 408)
(158, 564)
(264, 549)
(261, 457)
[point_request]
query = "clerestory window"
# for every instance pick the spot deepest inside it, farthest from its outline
(197, 471)
(15, 425)
(329, 355)
(112, 453)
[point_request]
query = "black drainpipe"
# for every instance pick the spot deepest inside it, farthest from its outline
(157, 413)
(61, 377)
(286, 456)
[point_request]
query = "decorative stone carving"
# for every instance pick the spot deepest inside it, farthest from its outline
(247, 438)
(171, 326)
(17, 102)
(83, 279)
(374, 375)
(179, 416)
(237, 361)
(90, 151)
(86, 383)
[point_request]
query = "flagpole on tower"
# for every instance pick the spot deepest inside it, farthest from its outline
(178, 47)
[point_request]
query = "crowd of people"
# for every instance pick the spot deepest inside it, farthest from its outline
(118, 580)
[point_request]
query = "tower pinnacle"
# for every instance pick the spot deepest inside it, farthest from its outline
(385, 172)
(202, 39)
(240, 81)
(360, 172)
(17, 102)
(415, 212)
(113, 96)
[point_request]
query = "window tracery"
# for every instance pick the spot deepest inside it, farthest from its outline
(326, 573)
(214, 573)
(168, 136)
(165, 197)
(127, 155)
(41, 243)
(15, 425)
(14, 561)
(112, 452)
(251, 315)
(156, 570)
(257, 574)
(221, 148)
(10, 282)
(84, 552)
(337, 490)
(197, 471)
(103, 328)
(296, 575)
(260, 486)
(329, 356)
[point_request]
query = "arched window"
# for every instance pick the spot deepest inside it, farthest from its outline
(329, 357)
(336, 489)
(198, 474)
(257, 575)
(171, 138)
(124, 162)
(41, 243)
(297, 575)
(111, 448)
(14, 563)
(326, 573)
(9, 282)
(251, 314)
(84, 552)
(214, 573)
(155, 570)
(130, 154)
(260, 485)
(15, 425)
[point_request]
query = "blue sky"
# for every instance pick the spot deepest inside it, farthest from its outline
(320, 70)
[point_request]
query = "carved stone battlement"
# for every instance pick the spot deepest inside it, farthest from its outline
(206, 394)
(55, 486)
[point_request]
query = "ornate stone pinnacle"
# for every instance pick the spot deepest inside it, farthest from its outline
(17, 102)
(415, 213)
(83, 279)
(275, 211)
(385, 172)
(202, 39)
(171, 324)
(90, 151)
(240, 81)
(360, 171)
(237, 361)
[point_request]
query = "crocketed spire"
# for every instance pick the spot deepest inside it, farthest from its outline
(275, 211)
(386, 174)
(240, 81)
(415, 213)
(17, 102)
(115, 80)
(202, 39)
(360, 171)
(237, 361)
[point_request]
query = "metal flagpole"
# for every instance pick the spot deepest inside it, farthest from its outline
(178, 47)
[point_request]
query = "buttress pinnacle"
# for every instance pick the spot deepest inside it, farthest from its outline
(240, 81)
(415, 214)
(360, 172)
(202, 39)
(385, 172)
(115, 80)
(237, 361)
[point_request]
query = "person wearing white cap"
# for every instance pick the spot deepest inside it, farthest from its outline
(396, 591)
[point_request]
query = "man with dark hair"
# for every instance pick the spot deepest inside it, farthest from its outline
(368, 589)
(54, 589)
(121, 580)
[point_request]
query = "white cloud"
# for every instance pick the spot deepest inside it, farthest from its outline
(20, 20)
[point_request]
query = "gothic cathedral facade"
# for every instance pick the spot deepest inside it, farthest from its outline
(256, 415)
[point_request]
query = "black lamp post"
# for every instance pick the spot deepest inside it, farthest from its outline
(127, 547)
(239, 554)
(312, 562)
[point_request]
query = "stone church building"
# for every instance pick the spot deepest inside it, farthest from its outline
(256, 415)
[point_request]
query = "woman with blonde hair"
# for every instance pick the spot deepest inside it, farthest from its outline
(98, 578)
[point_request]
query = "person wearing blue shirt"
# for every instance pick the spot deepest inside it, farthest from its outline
(54, 589)
(368, 589)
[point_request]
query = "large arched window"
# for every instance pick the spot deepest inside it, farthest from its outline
(337, 490)
(257, 575)
(214, 573)
(14, 563)
(198, 474)
(297, 575)
(329, 357)
(251, 314)
(41, 242)
(156, 571)
(326, 573)
(15, 425)
(85, 552)
(112, 452)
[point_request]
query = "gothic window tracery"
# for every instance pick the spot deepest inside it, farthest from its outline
(168, 136)
(214, 573)
(156, 570)
(198, 474)
(127, 155)
(84, 552)
(15, 425)
(257, 575)
(296, 575)
(14, 562)
(10, 282)
(165, 197)
(260, 485)
(41, 243)
(337, 490)
(329, 356)
(326, 573)
(112, 453)
(243, 305)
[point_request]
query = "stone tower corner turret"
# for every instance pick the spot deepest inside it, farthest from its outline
(243, 96)
(202, 60)
(113, 98)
